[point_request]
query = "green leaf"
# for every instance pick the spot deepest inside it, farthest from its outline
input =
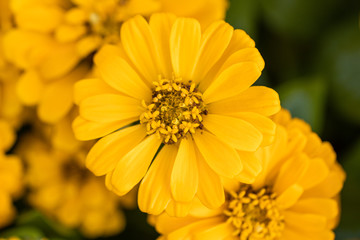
(305, 98)
(28, 233)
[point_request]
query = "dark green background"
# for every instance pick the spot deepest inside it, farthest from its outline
(312, 54)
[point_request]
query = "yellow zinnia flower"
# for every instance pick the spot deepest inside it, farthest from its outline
(188, 96)
(293, 198)
(61, 34)
(62, 188)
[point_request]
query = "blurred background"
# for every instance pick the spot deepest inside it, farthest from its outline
(312, 54)
(312, 58)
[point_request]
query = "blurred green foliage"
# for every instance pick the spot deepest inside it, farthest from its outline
(312, 54)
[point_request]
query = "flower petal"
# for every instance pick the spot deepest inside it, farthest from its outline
(138, 43)
(291, 172)
(116, 72)
(104, 155)
(252, 166)
(232, 81)
(154, 191)
(86, 130)
(39, 18)
(236, 132)
(30, 80)
(160, 25)
(264, 124)
(133, 166)
(221, 157)
(214, 41)
(90, 87)
(305, 222)
(178, 209)
(289, 197)
(110, 107)
(185, 39)
(319, 206)
(315, 174)
(210, 190)
(219, 231)
(258, 99)
(185, 175)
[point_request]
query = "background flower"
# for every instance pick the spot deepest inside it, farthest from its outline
(290, 199)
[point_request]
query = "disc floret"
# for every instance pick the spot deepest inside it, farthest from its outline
(254, 214)
(176, 109)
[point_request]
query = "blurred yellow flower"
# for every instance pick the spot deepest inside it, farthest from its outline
(11, 175)
(62, 188)
(61, 34)
(10, 105)
(293, 198)
(191, 91)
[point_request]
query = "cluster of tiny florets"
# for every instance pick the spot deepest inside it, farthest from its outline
(176, 109)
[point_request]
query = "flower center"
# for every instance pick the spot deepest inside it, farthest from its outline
(254, 214)
(176, 110)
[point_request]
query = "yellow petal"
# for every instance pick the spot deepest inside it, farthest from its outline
(235, 132)
(238, 41)
(319, 206)
(295, 234)
(289, 197)
(245, 55)
(154, 191)
(328, 188)
(30, 88)
(90, 87)
(86, 130)
(117, 73)
(185, 39)
(187, 231)
(213, 44)
(56, 101)
(40, 18)
(7, 137)
(264, 124)
(68, 33)
(304, 222)
(87, 45)
(185, 175)
(61, 59)
(232, 82)
(166, 224)
(221, 157)
(105, 154)
(76, 16)
(210, 190)
(315, 174)
(131, 168)
(291, 172)
(7, 213)
(110, 107)
(160, 25)
(138, 43)
(262, 100)
(252, 166)
(178, 209)
(219, 231)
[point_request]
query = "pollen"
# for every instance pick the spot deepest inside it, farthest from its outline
(254, 214)
(176, 110)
